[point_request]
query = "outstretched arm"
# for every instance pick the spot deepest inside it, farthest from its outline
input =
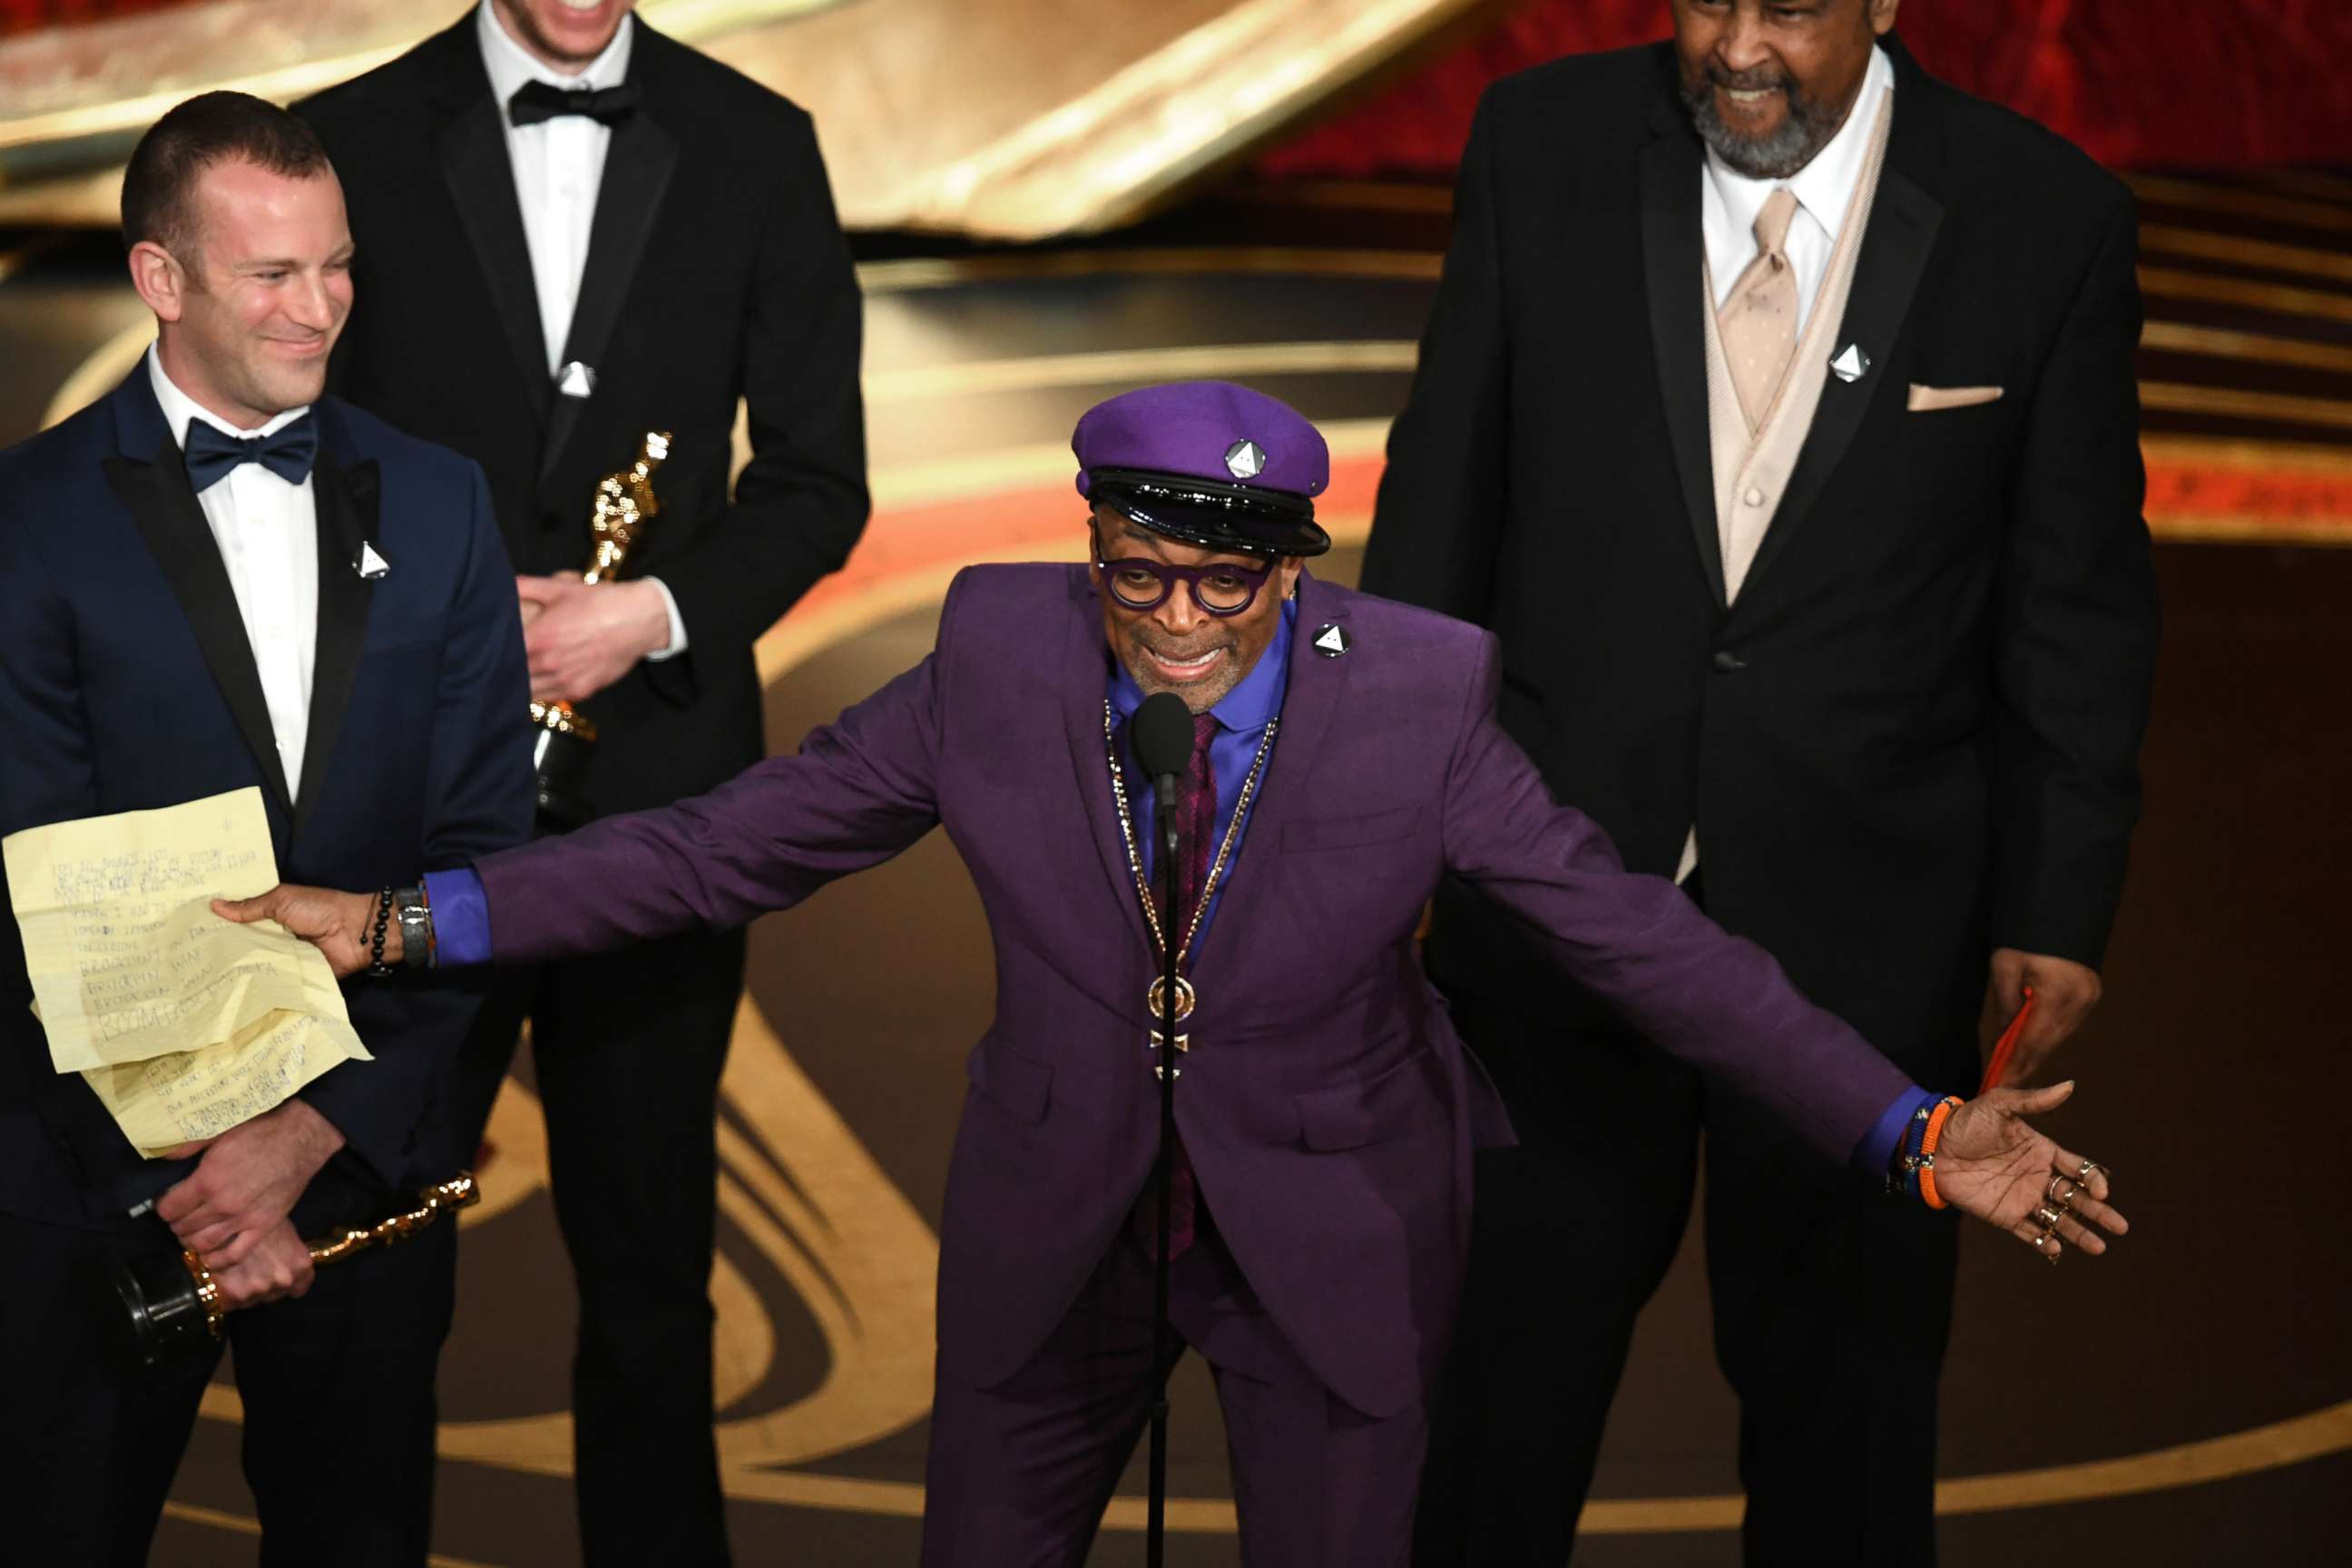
(859, 791)
(1724, 1005)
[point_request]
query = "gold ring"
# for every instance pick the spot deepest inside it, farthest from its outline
(2065, 1198)
(2082, 1173)
(2049, 1219)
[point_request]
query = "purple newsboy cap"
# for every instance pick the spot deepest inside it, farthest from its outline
(1209, 464)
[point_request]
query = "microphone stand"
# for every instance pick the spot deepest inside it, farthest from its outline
(1155, 1536)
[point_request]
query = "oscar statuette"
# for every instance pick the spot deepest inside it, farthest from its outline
(173, 1304)
(565, 741)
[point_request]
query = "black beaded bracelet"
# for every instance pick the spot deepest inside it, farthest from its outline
(376, 965)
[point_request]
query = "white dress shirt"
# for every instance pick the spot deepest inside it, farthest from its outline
(558, 167)
(267, 533)
(1729, 200)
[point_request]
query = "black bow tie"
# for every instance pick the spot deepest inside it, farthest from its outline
(213, 453)
(538, 101)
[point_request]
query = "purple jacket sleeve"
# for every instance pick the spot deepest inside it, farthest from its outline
(1715, 1001)
(859, 791)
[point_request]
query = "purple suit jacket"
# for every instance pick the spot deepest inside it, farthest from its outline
(1329, 1111)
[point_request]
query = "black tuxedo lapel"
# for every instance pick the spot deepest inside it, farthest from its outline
(637, 167)
(157, 494)
(1674, 255)
(1904, 218)
(473, 147)
(346, 502)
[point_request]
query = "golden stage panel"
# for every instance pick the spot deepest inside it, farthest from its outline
(996, 119)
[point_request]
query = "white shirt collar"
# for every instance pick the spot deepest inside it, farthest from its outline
(510, 65)
(1823, 187)
(179, 407)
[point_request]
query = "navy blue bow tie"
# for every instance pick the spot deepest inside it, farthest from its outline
(213, 452)
(540, 100)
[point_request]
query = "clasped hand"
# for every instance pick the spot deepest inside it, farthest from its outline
(230, 1210)
(2064, 992)
(276, 1267)
(582, 637)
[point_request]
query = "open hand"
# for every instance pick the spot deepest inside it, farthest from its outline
(277, 1266)
(339, 925)
(1989, 1164)
(248, 1181)
(582, 637)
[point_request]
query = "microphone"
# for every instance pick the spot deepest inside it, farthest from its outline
(1163, 744)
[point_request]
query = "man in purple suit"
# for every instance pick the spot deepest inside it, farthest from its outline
(1345, 755)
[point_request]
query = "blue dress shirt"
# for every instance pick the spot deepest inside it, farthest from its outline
(1242, 719)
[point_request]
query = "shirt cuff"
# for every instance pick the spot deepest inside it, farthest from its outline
(676, 624)
(461, 917)
(1875, 1153)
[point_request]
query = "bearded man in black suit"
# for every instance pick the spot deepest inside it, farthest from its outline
(1778, 410)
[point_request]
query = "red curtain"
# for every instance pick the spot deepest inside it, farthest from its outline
(22, 16)
(2133, 82)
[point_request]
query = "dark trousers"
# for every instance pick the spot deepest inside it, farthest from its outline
(628, 1047)
(337, 1389)
(1833, 1304)
(1019, 1473)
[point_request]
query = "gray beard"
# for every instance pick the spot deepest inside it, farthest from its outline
(1804, 130)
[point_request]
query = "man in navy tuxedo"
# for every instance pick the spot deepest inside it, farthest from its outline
(215, 578)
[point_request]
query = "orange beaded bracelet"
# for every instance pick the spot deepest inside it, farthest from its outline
(1936, 1119)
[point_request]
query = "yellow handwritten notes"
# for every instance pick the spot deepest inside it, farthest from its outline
(183, 1023)
(188, 1095)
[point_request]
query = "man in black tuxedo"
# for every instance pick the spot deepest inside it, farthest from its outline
(574, 231)
(1778, 410)
(217, 578)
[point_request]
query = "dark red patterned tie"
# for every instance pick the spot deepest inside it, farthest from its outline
(1196, 816)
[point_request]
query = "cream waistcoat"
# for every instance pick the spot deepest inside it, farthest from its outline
(1752, 471)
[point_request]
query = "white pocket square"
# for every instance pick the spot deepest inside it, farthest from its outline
(1927, 399)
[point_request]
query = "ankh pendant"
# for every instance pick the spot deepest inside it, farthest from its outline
(1157, 998)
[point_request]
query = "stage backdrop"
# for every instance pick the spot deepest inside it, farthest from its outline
(2135, 83)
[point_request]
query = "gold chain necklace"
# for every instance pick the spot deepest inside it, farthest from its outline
(1156, 997)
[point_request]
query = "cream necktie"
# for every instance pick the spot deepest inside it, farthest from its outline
(1759, 318)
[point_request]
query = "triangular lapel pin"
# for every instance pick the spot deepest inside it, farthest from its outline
(370, 566)
(575, 380)
(1331, 641)
(1851, 365)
